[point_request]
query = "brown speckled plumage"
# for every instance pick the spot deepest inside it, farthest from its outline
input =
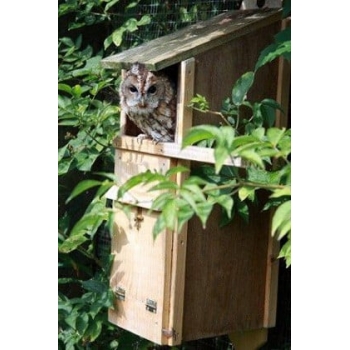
(149, 100)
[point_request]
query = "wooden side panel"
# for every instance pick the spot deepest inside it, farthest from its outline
(227, 269)
(218, 69)
(272, 264)
(225, 276)
(142, 270)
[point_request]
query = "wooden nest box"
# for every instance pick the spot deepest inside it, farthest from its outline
(199, 282)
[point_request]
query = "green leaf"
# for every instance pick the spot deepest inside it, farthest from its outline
(177, 169)
(82, 323)
(252, 156)
(286, 252)
(226, 202)
(65, 88)
(285, 191)
(203, 211)
(199, 133)
(187, 196)
(72, 243)
(159, 226)
(245, 192)
(108, 41)
(245, 140)
(86, 159)
(164, 185)
(185, 213)
(130, 25)
(94, 286)
(116, 37)
(94, 330)
(110, 4)
(268, 114)
(142, 178)
(145, 19)
(170, 213)
(200, 103)
(194, 189)
(71, 319)
(161, 200)
(241, 87)
(281, 220)
(64, 166)
(221, 153)
(272, 52)
(88, 224)
(82, 187)
(274, 135)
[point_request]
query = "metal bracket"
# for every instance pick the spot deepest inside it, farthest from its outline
(151, 305)
(169, 333)
(120, 293)
(138, 218)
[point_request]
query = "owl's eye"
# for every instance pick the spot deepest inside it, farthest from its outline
(132, 89)
(152, 89)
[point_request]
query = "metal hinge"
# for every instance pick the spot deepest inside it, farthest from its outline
(120, 293)
(151, 305)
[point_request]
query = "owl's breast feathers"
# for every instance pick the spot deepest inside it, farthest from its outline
(159, 123)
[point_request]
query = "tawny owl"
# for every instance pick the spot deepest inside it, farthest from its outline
(149, 100)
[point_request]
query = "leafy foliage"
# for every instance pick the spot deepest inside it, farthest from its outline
(88, 116)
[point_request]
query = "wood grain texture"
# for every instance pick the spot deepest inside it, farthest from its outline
(209, 281)
(142, 267)
(129, 163)
(185, 93)
(184, 117)
(193, 40)
(171, 150)
(225, 276)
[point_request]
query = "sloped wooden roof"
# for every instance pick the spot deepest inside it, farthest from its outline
(193, 40)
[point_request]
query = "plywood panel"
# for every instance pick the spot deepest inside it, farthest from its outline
(225, 276)
(218, 69)
(141, 268)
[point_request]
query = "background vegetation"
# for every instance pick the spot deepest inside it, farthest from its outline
(89, 120)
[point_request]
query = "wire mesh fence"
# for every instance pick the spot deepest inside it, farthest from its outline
(168, 16)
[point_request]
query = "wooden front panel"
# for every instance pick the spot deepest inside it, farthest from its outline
(130, 163)
(142, 269)
(225, 276)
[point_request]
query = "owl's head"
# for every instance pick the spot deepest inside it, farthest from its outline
(142, 90)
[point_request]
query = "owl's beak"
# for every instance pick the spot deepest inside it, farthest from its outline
(142, 102)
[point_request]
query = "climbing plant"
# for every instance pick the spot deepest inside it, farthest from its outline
(88, 116)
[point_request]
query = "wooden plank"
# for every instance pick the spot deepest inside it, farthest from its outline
(142, 269)
(177, 286)
(171, 150)
(283, 86)
(185, 92)
(193, 40)
(271, 285)
(129, 163)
